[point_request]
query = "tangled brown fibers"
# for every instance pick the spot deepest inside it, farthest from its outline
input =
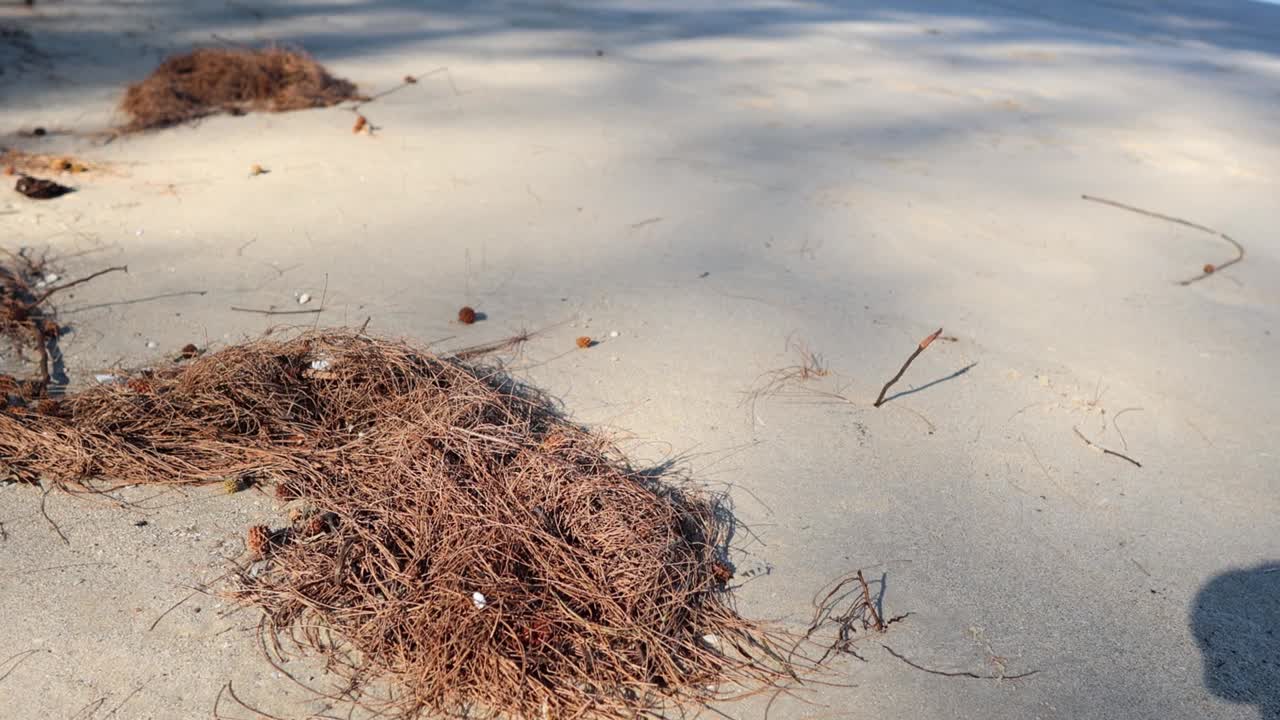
(457, 536)
(223, 80)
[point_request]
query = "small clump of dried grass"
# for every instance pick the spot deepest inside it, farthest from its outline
(231, 80)
(459, 538)
(15, 161)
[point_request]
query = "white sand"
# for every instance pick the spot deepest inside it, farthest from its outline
(852, 175)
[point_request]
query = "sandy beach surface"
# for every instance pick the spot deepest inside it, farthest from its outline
(704, 187)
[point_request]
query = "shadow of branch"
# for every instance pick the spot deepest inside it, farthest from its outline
(926, 386)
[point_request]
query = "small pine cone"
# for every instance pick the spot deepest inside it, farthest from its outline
(52, 408)
(721, 572)
(315, 526)
(259, 540)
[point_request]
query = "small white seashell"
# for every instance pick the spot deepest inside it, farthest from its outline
(304, 298)
(478, 600)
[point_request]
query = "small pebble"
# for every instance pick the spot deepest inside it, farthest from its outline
(304, 298)
(51, 278)
(152, 344)
(138, 232)
(479, 600)
(614, 333)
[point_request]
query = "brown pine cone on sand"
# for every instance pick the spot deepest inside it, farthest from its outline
(259, 541)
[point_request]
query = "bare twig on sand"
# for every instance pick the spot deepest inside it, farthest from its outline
(44, 496)
(17, 659)
(364, 124)
(1115, 420)
(57, 288)
(919, 349)
(408, 80)
(1209, 268)
(172, 607)
(963, 674)
(475, 351)
(230, 691)
(312, 311)
(1103, 450)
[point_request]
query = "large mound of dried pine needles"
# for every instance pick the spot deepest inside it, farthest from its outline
(226, 80)
(451, 533)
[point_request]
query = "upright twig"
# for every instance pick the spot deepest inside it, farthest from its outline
(919, 349)
(876, 622)
(324, 294)
(1209, 268)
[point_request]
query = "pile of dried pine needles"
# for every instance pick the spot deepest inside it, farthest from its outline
(236, 81)
(450, 532)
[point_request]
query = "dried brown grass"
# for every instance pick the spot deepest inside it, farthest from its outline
(225, 80)
(456, 536)
(17, 161)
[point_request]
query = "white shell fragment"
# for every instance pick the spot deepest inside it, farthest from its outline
(107, 379)
(478, 599)
(319, 364)
(304, 298)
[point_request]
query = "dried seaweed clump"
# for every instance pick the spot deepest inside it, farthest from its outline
(452, 534)
(220, 80)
